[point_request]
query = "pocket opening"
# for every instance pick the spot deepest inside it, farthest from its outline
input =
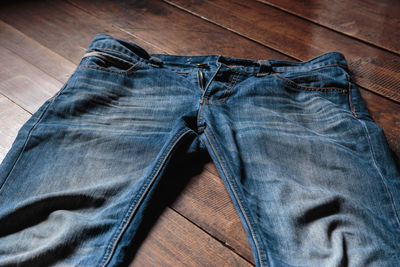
(110, 63)
(329, 79)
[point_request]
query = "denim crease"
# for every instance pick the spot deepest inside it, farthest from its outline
(310, 174)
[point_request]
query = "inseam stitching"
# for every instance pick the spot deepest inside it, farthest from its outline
(201, 117)
(199, 113)
(129, 214)
(316, 89)
(237, 198)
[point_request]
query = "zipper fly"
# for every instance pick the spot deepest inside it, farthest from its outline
(200, 76)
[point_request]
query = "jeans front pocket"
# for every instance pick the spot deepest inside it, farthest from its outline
(325, 88)
(331, 78)
(110, 62)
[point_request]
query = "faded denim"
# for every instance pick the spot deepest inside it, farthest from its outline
(310, 174)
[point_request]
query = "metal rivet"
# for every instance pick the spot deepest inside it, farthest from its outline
(202, 65)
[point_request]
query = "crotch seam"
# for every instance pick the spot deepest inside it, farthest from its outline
(253, 233)
(200, 115)
(138, 200)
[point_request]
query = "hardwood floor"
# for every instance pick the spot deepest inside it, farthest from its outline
(41, 42)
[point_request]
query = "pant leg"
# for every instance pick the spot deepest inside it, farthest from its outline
(82, 168)
(308, 170)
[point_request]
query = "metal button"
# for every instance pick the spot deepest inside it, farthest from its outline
(155, 62)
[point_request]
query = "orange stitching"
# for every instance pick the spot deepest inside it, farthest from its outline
(228, 89)
(105, 260)
(316, 68)
(110, 49)
(204, 109)
(351, 97)
(236, 79)
(291, 83)
(230, 84)
(129, 71)
(198, 114)
(329, 65)
(104, 56)
(237, 198)
(320, 67)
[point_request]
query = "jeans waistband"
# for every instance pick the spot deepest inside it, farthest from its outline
(212, 62)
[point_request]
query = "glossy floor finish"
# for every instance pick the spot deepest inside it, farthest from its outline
(41, 42)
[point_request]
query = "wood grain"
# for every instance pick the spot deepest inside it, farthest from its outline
(173, 241)
(386, 114)
(32, 86)
(52, 34)
(157, 22)
(375, 22)
(34, 53)
(12, 117)
(60, 27)
(374, 69)
(150, 20)
(24, 83)
(207, 203)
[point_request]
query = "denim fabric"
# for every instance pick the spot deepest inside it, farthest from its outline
(310, 174)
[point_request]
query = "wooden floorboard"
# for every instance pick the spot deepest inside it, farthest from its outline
(386, 114)
(42, 41)
(151, 25)
(191, 36)
(72, 50)
(60, 27)
(34, 53)
(12, 117)
(34, 86)
(374, 69)
(174, 241)
(24, 83)
(374, 22)
(207, 204)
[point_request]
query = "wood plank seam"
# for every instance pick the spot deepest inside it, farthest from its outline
(218, 25)
(30, 63)
(386, 95)
(2, 94)
(225, 244)
(39, 45)
(347, 18)
(324, 26)
(386, 92)
(115, 26)
(53, 76)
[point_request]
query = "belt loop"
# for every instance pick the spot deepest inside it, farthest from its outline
(155, 62)
(265, 68)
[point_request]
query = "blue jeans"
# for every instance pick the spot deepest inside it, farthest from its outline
(310, 174)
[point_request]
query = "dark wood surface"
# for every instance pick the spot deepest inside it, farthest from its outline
(42, 41)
